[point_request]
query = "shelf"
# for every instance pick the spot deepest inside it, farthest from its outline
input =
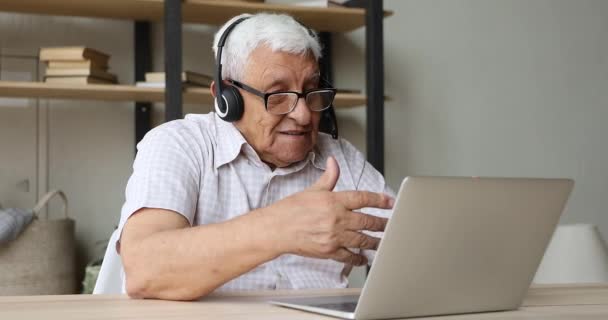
(213, 12)
(121, 92)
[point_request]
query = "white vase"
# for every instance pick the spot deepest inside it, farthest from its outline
(576, 254)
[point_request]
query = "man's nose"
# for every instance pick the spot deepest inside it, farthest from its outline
(301, 113)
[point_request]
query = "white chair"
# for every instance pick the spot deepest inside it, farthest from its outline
(576, 254)
(109, 280)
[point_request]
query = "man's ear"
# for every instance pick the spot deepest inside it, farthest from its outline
(212, 88)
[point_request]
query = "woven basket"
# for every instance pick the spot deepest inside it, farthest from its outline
(41, 260)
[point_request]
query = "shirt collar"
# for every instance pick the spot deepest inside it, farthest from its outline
(318, 158)
(230, 143)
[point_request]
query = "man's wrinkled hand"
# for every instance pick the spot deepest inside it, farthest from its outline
(320, 223)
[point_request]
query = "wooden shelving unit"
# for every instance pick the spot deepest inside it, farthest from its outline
(128, 93)
(213, 12)
(173, 13)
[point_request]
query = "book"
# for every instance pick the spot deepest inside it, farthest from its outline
(351, 3)
(187, 77)
(331, 3)
(315, 3)
(76, 64)
(96, 73)
(146, 84)
(73, 53)
(76, 80)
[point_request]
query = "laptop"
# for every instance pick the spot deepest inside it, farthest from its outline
(453, 246)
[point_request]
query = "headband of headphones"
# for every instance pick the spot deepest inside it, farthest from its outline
(220, 45)
(218, 71)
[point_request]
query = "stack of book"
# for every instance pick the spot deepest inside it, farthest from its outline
(330, 3)
(76, 65)
(189, 79)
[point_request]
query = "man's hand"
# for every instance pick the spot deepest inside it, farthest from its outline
(320, 223)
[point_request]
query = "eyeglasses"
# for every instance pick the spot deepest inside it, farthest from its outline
(284, 102)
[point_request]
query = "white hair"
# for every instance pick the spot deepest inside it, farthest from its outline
(280, 32)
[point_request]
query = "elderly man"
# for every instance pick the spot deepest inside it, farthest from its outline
(264, 202)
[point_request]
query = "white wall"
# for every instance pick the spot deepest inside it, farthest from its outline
(484, 87)
(493, 88)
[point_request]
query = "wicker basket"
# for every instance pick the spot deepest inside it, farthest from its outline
(42, 259)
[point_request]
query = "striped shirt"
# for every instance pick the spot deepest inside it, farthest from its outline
(203, 168)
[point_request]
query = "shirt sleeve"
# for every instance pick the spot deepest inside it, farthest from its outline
(166, 173)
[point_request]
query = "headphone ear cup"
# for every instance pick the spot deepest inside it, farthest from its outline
(233, 103)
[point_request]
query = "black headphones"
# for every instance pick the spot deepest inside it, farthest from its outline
(229, 104)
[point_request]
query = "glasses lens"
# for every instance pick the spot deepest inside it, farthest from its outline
(281, 103)
(320, 100)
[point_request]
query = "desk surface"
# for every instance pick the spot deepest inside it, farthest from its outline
(543, 302)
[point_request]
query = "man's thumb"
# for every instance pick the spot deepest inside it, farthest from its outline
(329, 178)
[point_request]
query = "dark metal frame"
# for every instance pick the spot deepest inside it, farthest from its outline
(374, 41)
(143, 64)
(299, 94)
(173, 59)
(374, 74)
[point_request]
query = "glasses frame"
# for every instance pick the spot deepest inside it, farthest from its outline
(265, 95)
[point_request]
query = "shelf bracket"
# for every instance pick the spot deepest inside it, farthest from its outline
(143, 63)
(173, 59)
(374, 40)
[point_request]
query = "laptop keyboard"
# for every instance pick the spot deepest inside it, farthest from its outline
(344, 306)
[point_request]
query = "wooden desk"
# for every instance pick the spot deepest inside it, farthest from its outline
(543, 302)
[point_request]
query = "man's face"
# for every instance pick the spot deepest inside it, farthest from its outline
(279, 140)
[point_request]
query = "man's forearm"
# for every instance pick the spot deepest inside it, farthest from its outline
(188, 263)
